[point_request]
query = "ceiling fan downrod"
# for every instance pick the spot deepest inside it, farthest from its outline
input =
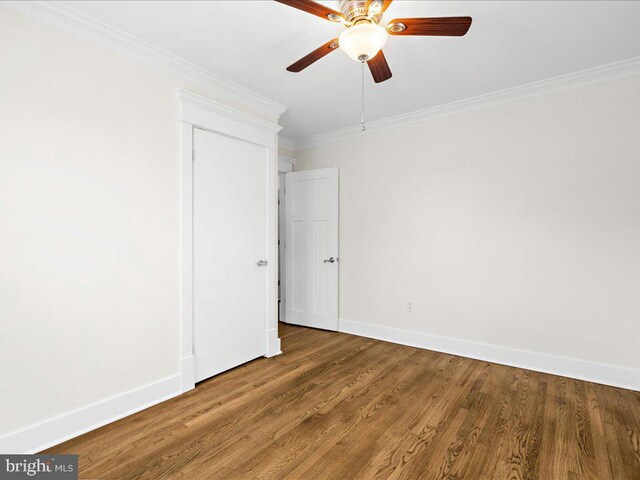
(362, 62)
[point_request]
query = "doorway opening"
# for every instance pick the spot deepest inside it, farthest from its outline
(285, 165)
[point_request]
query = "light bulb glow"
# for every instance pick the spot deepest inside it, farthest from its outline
(375, 7)
(363, 40)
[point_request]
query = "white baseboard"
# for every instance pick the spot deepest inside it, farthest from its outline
(273, 343)
(188, 373)
(616, 376)
(56, 430)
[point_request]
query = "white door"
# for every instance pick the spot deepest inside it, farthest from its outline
(229, 240)
(311, 290)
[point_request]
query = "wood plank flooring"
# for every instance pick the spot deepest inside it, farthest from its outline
(336, 406)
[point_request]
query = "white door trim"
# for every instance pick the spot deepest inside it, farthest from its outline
(201, 112)
(285, 165)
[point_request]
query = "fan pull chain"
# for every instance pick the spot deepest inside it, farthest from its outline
(362, 117)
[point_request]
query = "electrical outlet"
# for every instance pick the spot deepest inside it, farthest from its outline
(409, 306)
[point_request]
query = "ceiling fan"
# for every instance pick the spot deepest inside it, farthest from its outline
(364, 37)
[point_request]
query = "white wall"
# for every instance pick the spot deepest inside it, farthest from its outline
(89, 231)
(516, 225)
(89, 184)
(283, 150)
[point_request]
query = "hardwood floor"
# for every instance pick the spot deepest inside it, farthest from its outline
(336, 406)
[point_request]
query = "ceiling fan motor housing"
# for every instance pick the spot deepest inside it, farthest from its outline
(356, 11)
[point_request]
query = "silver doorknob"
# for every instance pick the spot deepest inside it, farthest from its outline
(262, 263)
(331, 260)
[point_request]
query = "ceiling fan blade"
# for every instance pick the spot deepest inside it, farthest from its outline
(379, 68)
(314, 56)
(443, 26)
(315, 8)
(385, 5)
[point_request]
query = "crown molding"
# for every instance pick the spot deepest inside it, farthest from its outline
(66, 19)
(591, 76)
(187, 97)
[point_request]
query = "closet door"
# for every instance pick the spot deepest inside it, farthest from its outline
(229, 248)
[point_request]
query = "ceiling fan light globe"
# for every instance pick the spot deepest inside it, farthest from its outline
(363, 40)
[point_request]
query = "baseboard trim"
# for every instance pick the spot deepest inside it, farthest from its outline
(273, 343)
(188, 373)
(612, 375)
(59, 429)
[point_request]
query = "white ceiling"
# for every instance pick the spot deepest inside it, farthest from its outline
(252, 42)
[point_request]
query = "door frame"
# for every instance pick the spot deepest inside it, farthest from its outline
(197, 111)
(285, 165)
